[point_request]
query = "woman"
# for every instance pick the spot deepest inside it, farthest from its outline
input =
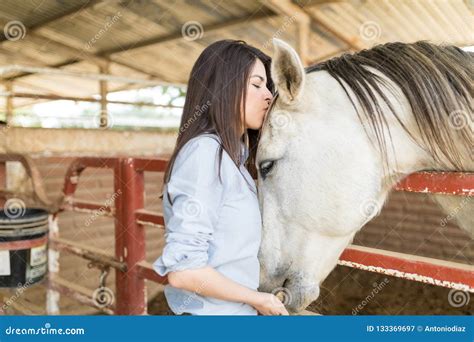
(211, 210)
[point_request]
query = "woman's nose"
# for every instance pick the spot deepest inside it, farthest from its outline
(268, 96)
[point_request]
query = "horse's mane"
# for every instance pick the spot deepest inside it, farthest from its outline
(436, 80)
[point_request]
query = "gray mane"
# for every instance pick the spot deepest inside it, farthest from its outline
(436, 80)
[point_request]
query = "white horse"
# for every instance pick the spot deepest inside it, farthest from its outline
(339, 136)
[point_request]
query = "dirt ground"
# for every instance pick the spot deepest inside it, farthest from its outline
(349, 291)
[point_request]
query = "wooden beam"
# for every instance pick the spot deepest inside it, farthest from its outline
(144, 142)
(105, 55)
(69, 13)
(32, 31)
(327, 56)
(56, 66)
(303, 31)
(150, 76)
(316, 2)
(179, 35)
(55, 97)
(319, 19)
(81, 74)
(105, 60)
(304, 17)
(104, 116)
(286, 7)
(303, 21)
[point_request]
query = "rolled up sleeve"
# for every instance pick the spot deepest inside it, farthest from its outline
(196, 195)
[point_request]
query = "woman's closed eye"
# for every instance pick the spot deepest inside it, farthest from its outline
(257, 86)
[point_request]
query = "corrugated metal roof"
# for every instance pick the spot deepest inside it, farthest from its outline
(144, 38)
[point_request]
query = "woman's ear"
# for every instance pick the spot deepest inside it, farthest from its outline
(287, 72)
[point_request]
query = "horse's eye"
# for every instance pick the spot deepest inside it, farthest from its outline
(266, 167)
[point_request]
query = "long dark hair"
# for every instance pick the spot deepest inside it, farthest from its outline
(215, 98)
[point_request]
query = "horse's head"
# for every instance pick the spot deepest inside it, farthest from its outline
(335, 141)
(319, 179)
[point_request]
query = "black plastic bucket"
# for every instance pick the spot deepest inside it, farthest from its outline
(23, 247)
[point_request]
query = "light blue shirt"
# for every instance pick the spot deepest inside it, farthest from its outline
(210, 223)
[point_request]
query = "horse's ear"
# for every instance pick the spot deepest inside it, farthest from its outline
(287, 72)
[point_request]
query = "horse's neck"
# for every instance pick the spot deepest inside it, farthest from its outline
(409, 157)
(405, 152)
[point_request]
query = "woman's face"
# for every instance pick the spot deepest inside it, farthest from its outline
(258, 97)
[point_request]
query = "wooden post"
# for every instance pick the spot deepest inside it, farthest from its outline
(3, 163)
(304, 30)
(3, 180)
(9, 103)
(104, 117)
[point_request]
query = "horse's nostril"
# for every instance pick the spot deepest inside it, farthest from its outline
(283, 294)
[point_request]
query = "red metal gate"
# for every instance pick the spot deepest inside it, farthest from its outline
(130, 218)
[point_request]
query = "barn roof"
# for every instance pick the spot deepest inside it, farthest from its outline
(159, 40)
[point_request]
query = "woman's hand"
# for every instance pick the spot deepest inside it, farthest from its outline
(268, 304)
(210, 283)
